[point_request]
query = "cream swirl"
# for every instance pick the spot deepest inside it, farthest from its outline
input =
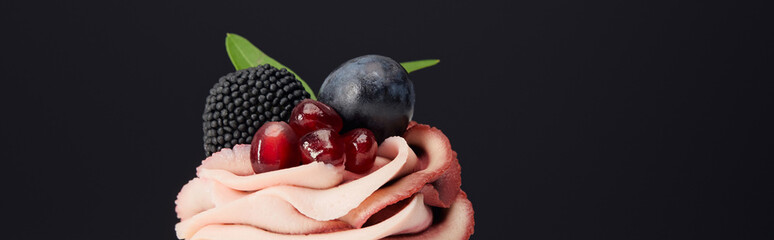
(316, 201)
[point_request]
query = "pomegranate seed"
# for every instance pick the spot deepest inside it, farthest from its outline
(274, 147)
(310, 115)
(360, 150)
(322, 145)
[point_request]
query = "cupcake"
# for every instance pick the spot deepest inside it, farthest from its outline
(349, 166)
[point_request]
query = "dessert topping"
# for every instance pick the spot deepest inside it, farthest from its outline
(372, 92)
(274, 147)
(322, 145)
(360, 150)
(310, 115)
(240, 102)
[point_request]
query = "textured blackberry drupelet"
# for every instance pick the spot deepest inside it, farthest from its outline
(244, 100)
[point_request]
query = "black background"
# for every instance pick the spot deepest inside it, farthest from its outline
(572, 119)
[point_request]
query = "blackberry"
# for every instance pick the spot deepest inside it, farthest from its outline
(244, 100)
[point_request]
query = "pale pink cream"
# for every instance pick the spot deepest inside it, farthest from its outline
(413, 218)
(317, 201)
(300, 200)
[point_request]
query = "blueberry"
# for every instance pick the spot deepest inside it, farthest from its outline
(372, 92)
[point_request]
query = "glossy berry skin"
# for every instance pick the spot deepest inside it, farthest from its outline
(323, 145)
(274, 147)
(372, 92)
(360, 150)
(310, 115)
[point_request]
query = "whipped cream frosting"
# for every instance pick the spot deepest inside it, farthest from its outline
(320, 201)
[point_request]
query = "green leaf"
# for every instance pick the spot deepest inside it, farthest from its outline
(419, 64)
(244, 54)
